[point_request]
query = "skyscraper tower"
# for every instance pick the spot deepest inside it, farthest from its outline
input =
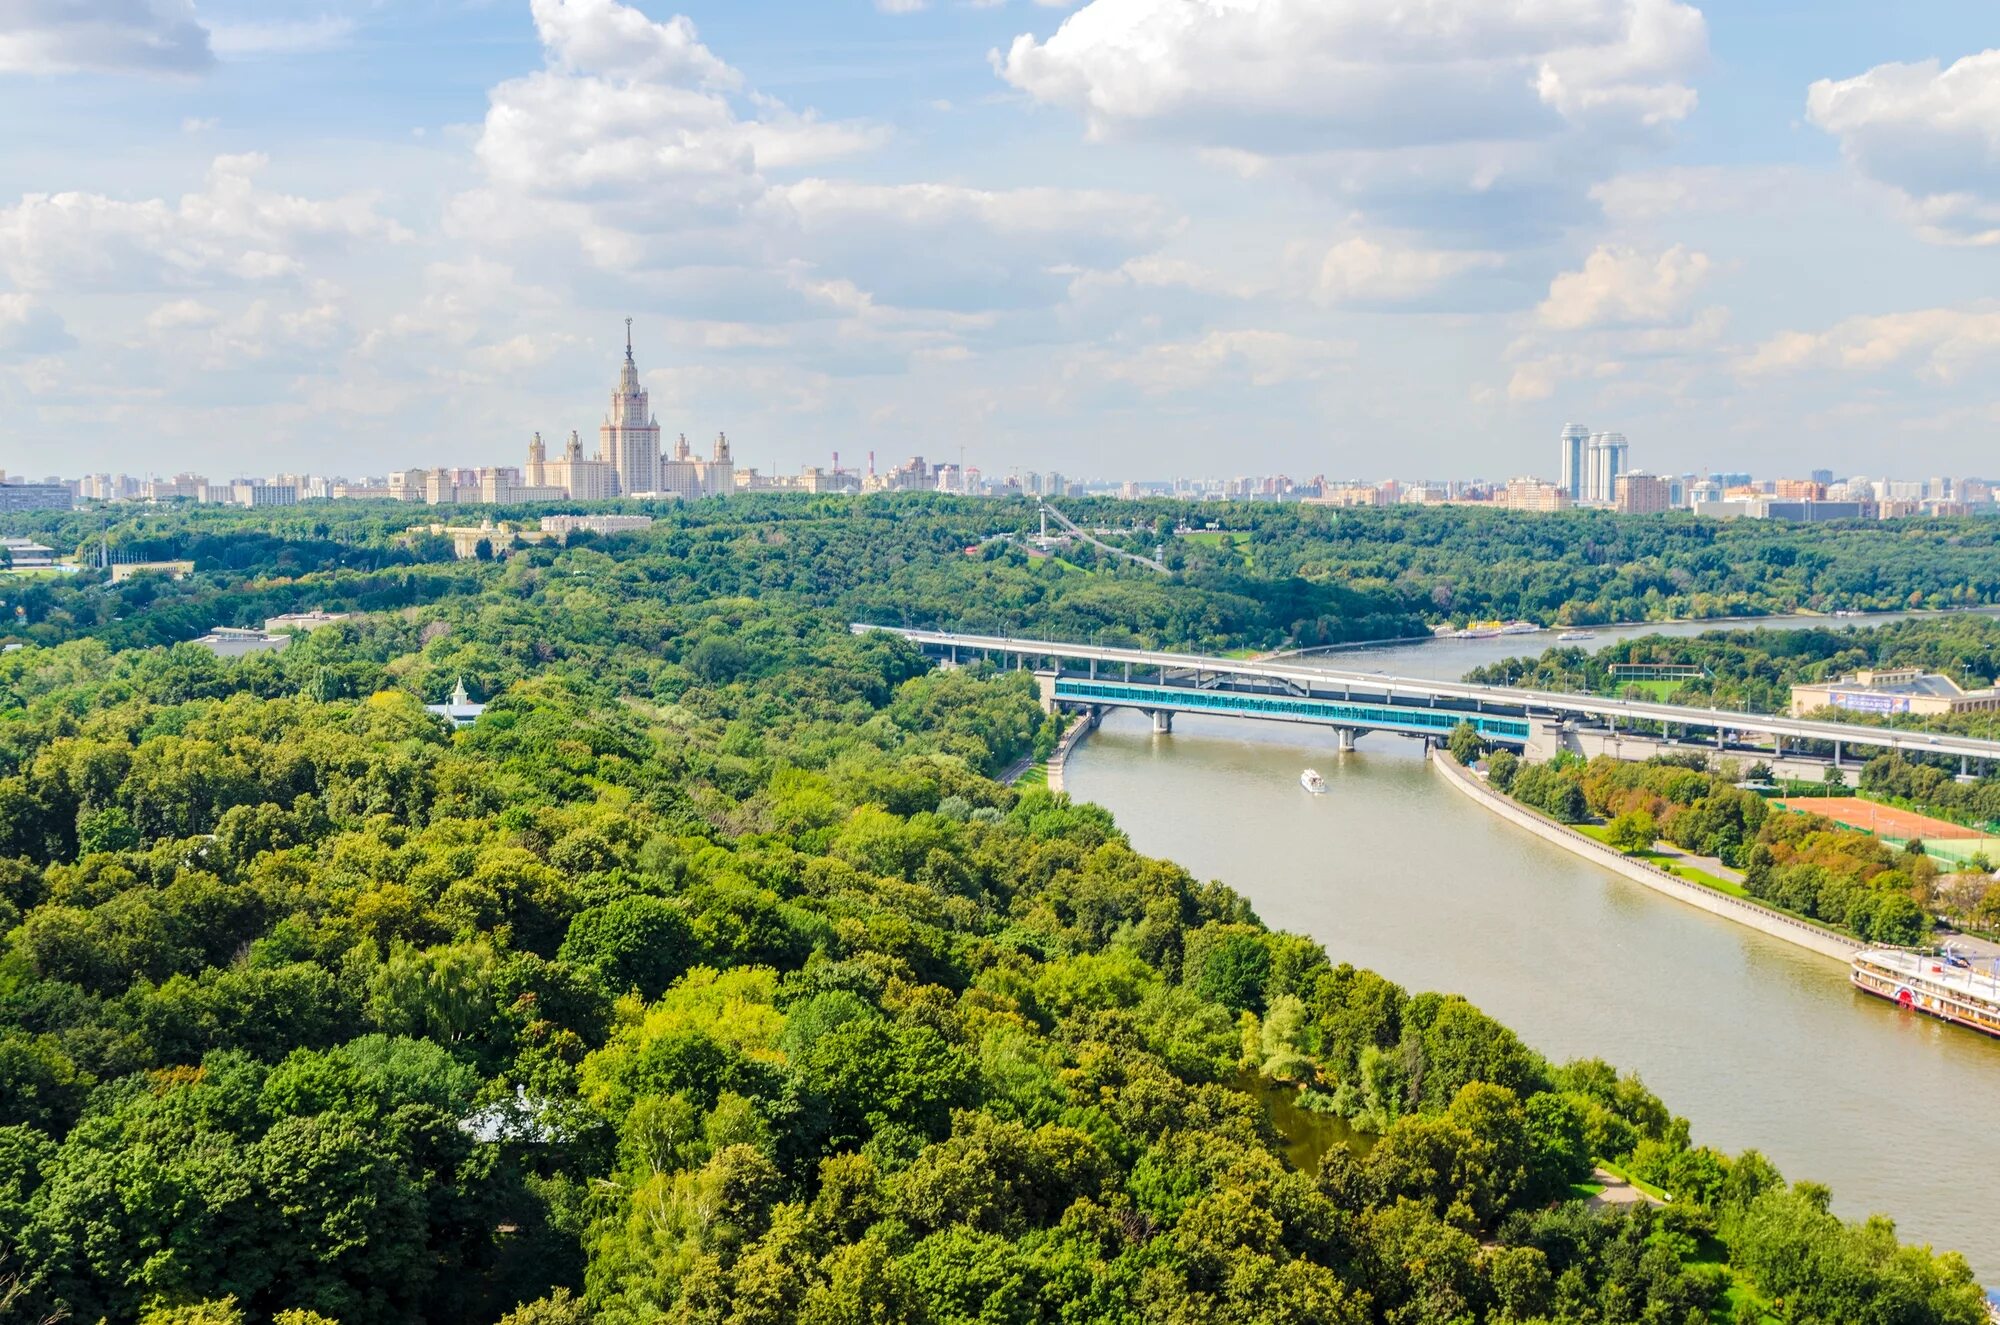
(1605, 456)
(630, 437)
(534, 473)
(1574, 438)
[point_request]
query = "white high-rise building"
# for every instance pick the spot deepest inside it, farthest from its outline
(1575, 437)
(630, 437)
(1605, 457)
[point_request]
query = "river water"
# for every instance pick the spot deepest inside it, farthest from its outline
(1757, 1043)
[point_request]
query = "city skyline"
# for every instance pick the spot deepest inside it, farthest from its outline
(857, 229)
(1593, 468)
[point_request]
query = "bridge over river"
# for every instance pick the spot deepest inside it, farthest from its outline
(1353, 702)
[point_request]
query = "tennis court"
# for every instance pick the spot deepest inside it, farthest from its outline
(1881, 820)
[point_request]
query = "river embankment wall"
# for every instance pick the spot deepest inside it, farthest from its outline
(1763, 919)
(1086, 723)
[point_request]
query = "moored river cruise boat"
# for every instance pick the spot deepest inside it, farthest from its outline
(1943, 986)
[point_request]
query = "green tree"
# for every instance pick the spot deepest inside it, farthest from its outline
(637, 942)
(1632, 832)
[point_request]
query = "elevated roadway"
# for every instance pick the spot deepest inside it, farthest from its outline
(1164, 682)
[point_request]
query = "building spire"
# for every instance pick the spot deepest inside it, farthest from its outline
(628, 340)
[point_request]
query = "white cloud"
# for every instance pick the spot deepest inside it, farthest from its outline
(1624, 287)
(1479, 123)
(230, 231)
(1156, 272)
(1294, 75)
(29, 327)
(1644, 357)
(262, 334)
(1940, 343)
(181, 314)
(64, 36)
(1360, 270)
(617, 40)
(1930, 133)
(1260, 357)
(948, 246)
(637, 112)
(1640, 197)
(662, 169)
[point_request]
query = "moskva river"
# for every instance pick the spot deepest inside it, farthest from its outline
(1758, 1044)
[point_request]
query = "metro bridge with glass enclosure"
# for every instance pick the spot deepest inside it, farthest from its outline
(1352, 702)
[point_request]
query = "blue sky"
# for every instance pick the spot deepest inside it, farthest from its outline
(1125, 237)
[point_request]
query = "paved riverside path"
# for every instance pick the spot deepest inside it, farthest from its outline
(1667, 851)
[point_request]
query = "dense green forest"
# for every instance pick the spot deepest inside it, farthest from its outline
(1265, 576)
(1591, 567)
(709, 977)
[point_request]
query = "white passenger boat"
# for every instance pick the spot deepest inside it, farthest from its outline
(1572, 636)
(1312, 781)
(1944, 986)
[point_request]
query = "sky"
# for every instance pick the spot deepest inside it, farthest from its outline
(1121, 238)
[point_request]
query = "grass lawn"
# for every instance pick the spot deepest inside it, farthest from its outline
(1037, 775)
(1707, 880)
(1688, 872)
(1658, 691)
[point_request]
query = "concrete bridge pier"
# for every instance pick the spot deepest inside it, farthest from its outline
(1344, 739)
(1163, 721)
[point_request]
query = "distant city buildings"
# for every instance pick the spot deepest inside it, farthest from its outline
(1641, 494)
(1594, 470)
(1532, 494)
(18, 494)
(596, 524)
(1589, 463)
(1893, 690)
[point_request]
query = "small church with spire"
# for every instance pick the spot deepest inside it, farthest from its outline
(459, 710)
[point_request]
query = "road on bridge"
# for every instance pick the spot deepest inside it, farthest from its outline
(1269, 676)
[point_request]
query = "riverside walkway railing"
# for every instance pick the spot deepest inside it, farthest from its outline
(1766, 919)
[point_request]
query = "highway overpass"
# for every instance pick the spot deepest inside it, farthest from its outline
(1162, 684)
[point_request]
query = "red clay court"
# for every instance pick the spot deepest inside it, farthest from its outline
(1881, 820)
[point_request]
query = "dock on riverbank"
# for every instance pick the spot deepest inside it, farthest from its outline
(1764, 919)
